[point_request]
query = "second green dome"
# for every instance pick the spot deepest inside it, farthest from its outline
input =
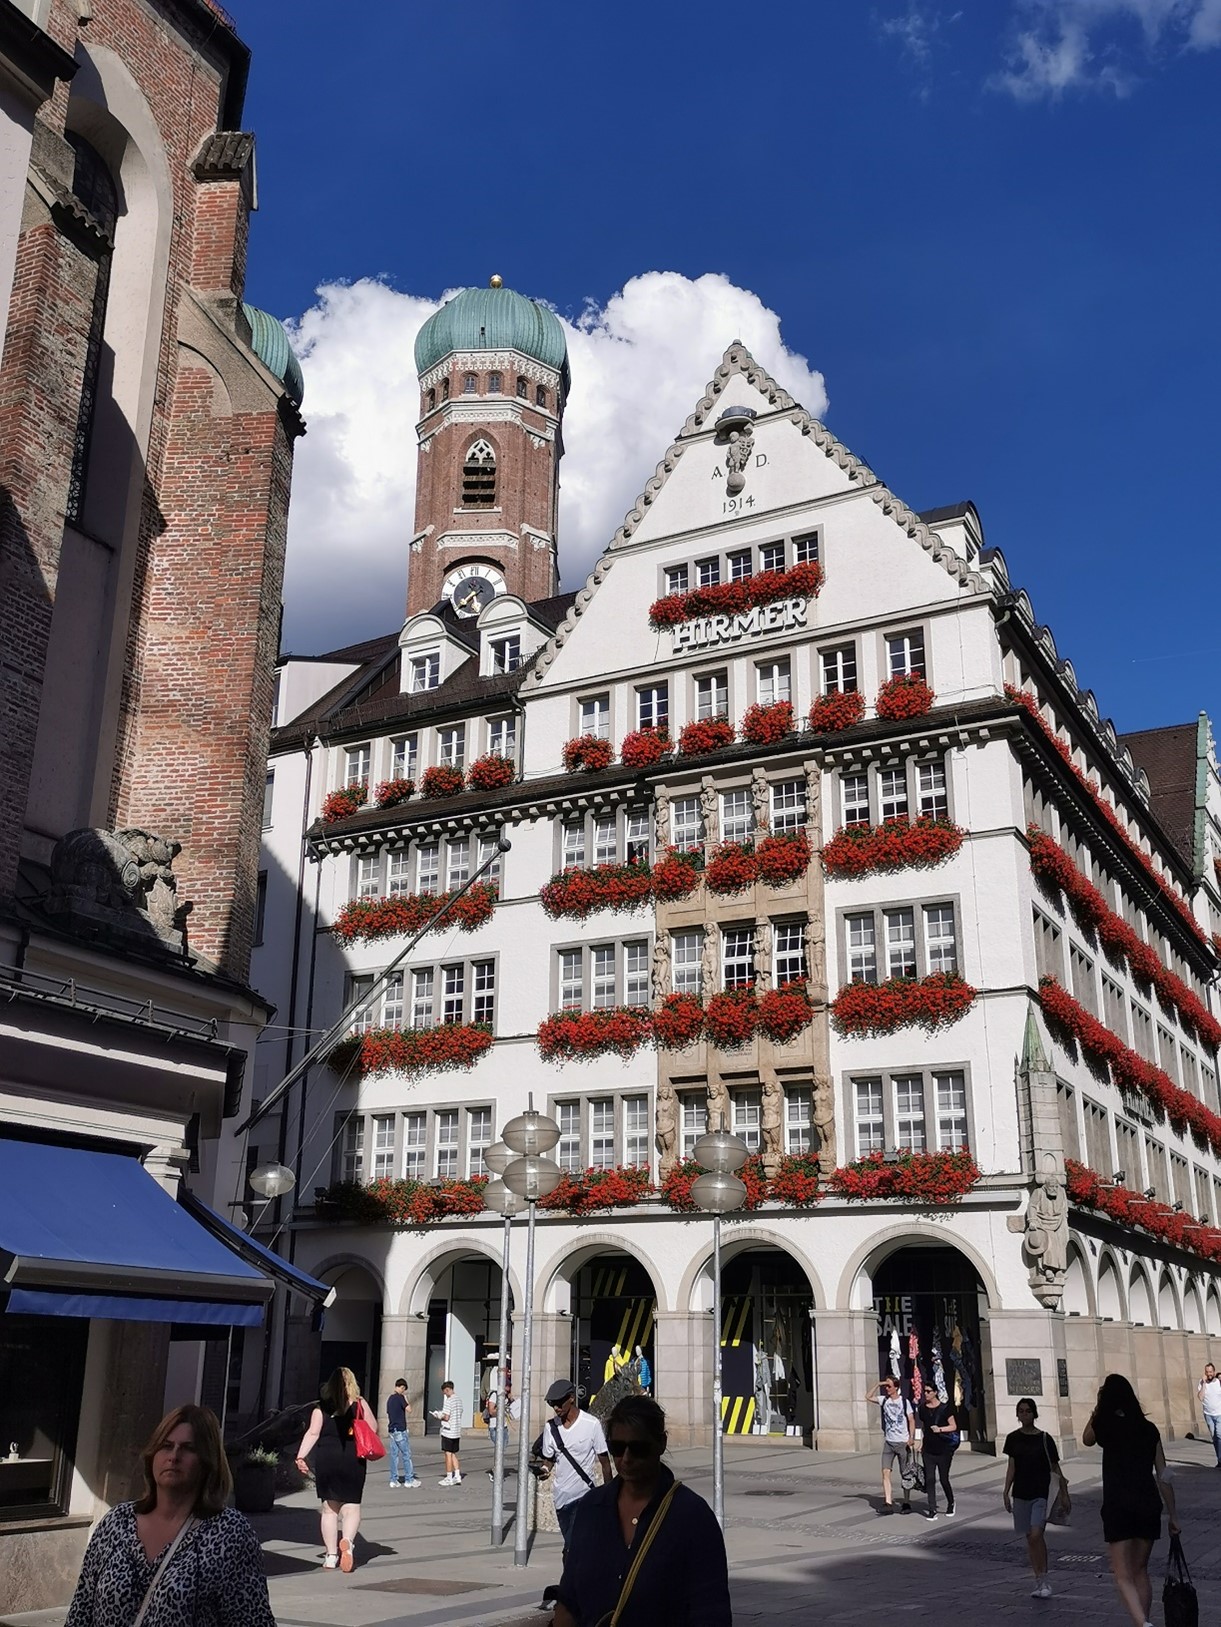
(492, 319)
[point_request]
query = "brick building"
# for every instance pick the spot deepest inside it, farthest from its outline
(147, 424)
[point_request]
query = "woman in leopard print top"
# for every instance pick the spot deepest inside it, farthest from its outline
(215, 1577)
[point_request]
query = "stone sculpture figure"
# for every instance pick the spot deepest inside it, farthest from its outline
(667, 1127)
(822, 1113)
(814, 804)
(709, 809)
(718, 1103)
(763, 954)
(118, 883)
(661, 966)
(708, 965)
(1046, 1238)
(738, 449)
(760, 798)
(816, 957)
(661, 819)
(771, 1124)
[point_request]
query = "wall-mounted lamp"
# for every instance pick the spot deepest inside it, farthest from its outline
(1150, 1192)
(1120, 1176)
(1178, 1208)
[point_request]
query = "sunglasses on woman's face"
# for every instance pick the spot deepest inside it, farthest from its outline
(635, 1449)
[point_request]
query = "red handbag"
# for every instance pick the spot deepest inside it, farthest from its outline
(368, 1442)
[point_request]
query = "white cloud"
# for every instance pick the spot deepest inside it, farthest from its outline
(1064, 45)
(639, 365)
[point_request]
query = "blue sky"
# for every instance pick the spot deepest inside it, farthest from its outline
(989, 230)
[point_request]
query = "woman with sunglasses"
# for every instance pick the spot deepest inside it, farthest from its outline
(645, 1545)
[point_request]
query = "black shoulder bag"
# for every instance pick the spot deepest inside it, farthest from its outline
(1180, 1606)
(560, 1447)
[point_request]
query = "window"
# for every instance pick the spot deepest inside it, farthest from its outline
(392, 1001)
(93, 185)
(415, 1145)
(423, 987)
(425, 672)
(359, 988)
(493, 383)
(540, 396)
(405, 757)
(1047, 957)
(637, 835)
(636, 1131)
(737, 815)
(798, 1131)
(1142, 1032)
(707, 572)
(737, 957)
(602, 976)
(788, 952)
(432, 399)
(892, 792)
(573, 844)
(568, 1149)
(490, 854)
(686, 962)
(854, 789)
(269, 786)
(951, 1091)
(652, 706)
(452, 746)
(1127, 1151)
(479, 477)
(940, 942)
(1097, 1138)
(478, 1123)
(677, 578)
(740, 564)
(606, 838)
(483, 995)
(502, 736)
(522, 387)
(805, 549)
(572, 992)
(469, 383)
(693, 1110)
(900, 942)
(260, 906)
(773, 681)
(1189, 1075)
(905, 654)
(1081, 971)
(1067, 1112)
(506, 653)
(354, 1148)
(746, 1113)
(595, 716)
(1155, 1163)
(427, 869)
(356, 761)
(932, 800)
(870, 1116)
(1168, 1054)
(368, 875)
(453, 993)
(862, 948)
(909, 1112)
(1180, 1181)
(458, 870)
(711, 695)
(602, 1133)
(1114, 1008)
(445, 389)
(771, 556)
(839, 670)
(446, 1166)
(788, 804)
(382, 1166)
(636, 973)
(686, 824)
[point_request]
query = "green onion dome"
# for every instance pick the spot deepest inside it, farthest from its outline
(270, 344)
(493, 318)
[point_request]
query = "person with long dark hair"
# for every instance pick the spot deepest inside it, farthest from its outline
(338, 1473)
(1033, 1459)
(645, 1548)
(1135, 1487)
(939, 1439)
(176, 1553)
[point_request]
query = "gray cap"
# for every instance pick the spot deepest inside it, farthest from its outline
(560, 1391)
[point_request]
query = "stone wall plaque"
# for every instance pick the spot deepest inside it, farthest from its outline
(1023, 1375)
(1062, 1375)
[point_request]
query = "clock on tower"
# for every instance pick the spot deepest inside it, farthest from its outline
(471, 586)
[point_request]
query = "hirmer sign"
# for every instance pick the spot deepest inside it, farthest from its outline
(703, 631)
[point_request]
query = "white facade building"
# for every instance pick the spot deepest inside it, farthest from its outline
(1024, 1297)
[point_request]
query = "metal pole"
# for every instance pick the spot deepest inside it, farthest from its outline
(521, 1535)
(718, 1440)
(502, 1405)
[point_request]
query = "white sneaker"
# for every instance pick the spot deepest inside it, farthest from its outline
(411, 1483)
(1043, 1591)
(331, 1562)
(448, 1481)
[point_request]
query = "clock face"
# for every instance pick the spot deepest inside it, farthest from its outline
(471, 587)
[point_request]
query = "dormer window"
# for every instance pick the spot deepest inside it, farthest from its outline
(479, 477)
(469, 384)
(506, 653)
(425, 671)
(493, 383)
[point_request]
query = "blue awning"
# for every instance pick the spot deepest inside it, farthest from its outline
(87, 1233)
(256, 1253)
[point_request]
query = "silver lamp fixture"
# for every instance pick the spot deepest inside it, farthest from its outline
(718, 1192)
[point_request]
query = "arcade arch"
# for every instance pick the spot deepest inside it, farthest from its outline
(1141, 1308)
(1077, 1300)
(1168, 1304)
(456, 1293)
(1110, 1293)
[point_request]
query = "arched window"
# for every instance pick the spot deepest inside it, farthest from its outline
(479, 477)
(94, 186)
(469, 384)
(493, 383)
(540, 396)
(432, 399)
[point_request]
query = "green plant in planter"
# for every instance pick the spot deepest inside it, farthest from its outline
(254, 1480)
(261, 1454)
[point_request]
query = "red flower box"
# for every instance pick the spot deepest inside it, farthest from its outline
(579, 893)
(731, 1018)
(574, 1036)
(390, 793)
(441, 781)
(937, 1178)
(768, 725)
(796, 1181)
(839, 709)
(644, 747)
(676, 875)
(363, 920)
(588, 752)
(782, 858)
(903, 697)
(675, 1191)
(929, 1002)
(706, 734)
(1088, 1190)
(400, 1203)
(896, 844)
(599, 1189)
(342, 804)
(733, 598)
(411, 1050)
(489, 773)
(678, 1022)
(731, 869)
(784, 1012)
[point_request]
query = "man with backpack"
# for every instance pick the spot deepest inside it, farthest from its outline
(574, 1442)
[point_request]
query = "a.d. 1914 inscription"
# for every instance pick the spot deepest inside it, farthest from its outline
(1024, 1375)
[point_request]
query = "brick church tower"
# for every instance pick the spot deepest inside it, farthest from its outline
(493, 369)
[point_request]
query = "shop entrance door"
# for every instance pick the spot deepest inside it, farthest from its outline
(930, 1331)
(613, 1307)
(767, 1357)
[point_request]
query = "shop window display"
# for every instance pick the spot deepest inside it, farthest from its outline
(42, 1361)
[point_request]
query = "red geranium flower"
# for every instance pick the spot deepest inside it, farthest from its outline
(704, 735)
(675, 1190)
(390, 793)
(731, 869)
(1088, 1190)
(902, 1002)
(796, 1181)
(897, 844)
(782, 858)
(599, 1189)
(937, 1178)
(676, 875)
(579, 893)
(342, 804)
(768, 725)
(730, 1018)
(573, 1036)
(644, 747)
(784, 1012)
(441, 781)
(489, 773)
(904, 696)
(411, 1050)
(587, 751)
(678, 1022)
(839, 709)
(363, 920)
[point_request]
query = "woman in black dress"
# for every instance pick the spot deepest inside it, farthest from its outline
(1134, 1487)
(940, 1438)
(338, 1473)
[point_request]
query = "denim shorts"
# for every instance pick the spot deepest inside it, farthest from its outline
(1029, 1514)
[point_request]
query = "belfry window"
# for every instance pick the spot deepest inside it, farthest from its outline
(469, 384)
(479, 477)
(93, 185)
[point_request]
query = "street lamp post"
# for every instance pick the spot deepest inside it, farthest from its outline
(531, 1176)
(719, 1192)
(497, 1197)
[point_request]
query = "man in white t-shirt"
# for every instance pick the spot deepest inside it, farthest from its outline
(574, 1441)
(1209, 1392)
(451, 1416)
(898, 1436)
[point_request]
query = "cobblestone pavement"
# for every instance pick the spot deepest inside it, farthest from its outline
(805, 1536)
